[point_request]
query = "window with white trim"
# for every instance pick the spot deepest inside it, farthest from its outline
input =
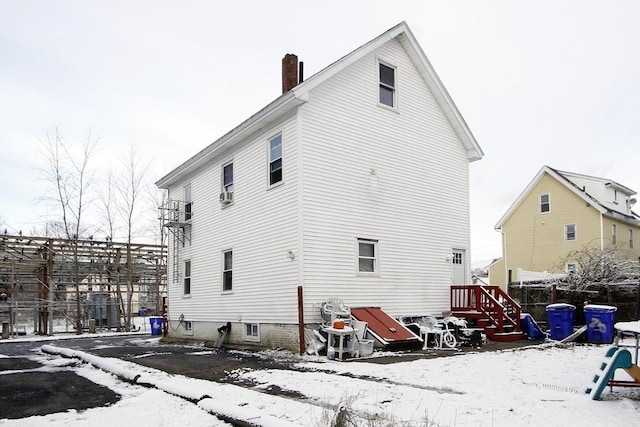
(251, 332)
(367, 256)
(186, 290)
(227, 270)
(275, 159)
(187, 203)
(614, 234)
(227, 177)
(570, 232)
(571, 268)
(545, 203)
(387, 85)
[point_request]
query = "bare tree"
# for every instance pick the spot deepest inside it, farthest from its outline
(69, 174)
(596, 265)
(131, 188)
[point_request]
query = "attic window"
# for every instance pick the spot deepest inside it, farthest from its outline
(545, 203)
(387, 92)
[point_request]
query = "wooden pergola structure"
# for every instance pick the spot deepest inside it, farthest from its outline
(44, 278)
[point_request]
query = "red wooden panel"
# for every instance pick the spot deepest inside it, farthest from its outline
(383, 325)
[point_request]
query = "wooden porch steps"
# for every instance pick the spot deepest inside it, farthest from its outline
(490, 308)
(509, 333)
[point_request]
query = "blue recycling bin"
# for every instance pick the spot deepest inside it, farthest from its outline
(156, 325)
(561, 317)
(600, 320)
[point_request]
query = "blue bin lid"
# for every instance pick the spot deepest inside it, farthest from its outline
(561, 306)
(600, 308)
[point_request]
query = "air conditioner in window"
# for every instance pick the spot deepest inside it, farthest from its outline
(226, 197)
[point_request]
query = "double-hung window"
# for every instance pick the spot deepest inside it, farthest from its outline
(227, 270)
(187, 278)
(227, 178)
(367, 256)
(387, 87)
(570, 232)
(187, 203)
(545, 203)
(275, 159)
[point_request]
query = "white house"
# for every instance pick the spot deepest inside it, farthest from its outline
(354, 184)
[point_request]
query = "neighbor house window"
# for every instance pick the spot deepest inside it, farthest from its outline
(570, 232)
(227, 270)
(614, 234)
(227, 178)
(275, 159)
(571, 268)
(187, 278)
(630, 238)
(545, 203)
(252, 332)
(187, 203)
(387, 91)
(367, 252)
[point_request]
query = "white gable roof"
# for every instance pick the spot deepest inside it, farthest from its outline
(299, 95)
(589, 188)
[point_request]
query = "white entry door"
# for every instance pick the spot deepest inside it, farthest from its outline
(458, 267)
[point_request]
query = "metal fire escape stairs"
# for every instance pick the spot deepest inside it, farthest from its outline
(176, 218)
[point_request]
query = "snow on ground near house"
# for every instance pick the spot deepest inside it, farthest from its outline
(539, 385)
(138, 406)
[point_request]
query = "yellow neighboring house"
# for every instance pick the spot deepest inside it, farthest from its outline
(560, 212)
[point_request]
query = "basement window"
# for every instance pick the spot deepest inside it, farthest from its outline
(187, 327)
(252, 332)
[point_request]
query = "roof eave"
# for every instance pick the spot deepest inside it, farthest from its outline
(266, 116)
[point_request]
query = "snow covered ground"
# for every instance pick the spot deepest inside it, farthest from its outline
(538, 385)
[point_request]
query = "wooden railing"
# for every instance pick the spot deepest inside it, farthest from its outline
(489, 301)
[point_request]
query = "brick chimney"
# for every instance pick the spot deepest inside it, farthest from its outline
(289, 72)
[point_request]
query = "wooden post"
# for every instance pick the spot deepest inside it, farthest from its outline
(301, 320)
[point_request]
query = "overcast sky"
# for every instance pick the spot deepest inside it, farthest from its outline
(539, 83)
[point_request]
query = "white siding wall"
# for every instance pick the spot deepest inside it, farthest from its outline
(260, 227)
(416, 204)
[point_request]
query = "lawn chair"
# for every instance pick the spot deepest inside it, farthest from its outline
(442, 336)
(334, 309)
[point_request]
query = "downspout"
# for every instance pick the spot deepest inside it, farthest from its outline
(601, 232)
(504, 258)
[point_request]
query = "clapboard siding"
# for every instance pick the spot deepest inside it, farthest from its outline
(352, 169)
(260, 227)
(416, 204)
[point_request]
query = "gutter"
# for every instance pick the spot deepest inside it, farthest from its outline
(263, 118)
